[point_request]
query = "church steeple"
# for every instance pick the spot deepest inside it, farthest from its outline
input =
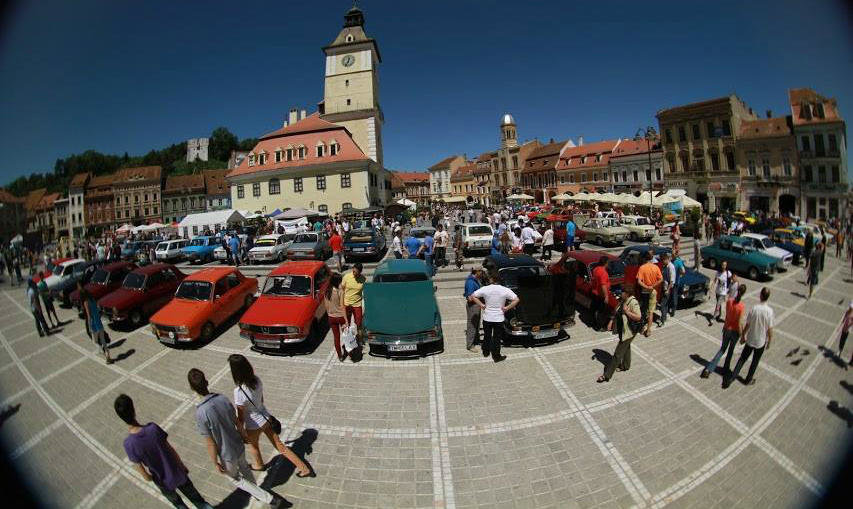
(354, 17)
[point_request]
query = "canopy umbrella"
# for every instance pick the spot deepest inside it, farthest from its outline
(405, 202)
(603, 197)
(273, 213)
(582, 196)
(456, 199)
(689, 203)
(17, 239)
(296, 213)
(519, 197)
(125, 228)
(561, 197)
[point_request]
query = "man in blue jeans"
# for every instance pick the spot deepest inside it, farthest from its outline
(570, 235)
(732, 330)
(428, 248)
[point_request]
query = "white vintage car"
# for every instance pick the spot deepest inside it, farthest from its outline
(270, 248)
(476, 237)
(639, 227)
(764, 244)
(62, 272)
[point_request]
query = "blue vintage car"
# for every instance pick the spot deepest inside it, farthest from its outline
(741, 257)
(788, 240)
(401, 315)
(130, 249)
(200, 249)
(691, 287)
(364, 243)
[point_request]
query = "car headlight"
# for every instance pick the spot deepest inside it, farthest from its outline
(292, 330)
(182, 329)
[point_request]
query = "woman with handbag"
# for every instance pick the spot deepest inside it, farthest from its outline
(335, 312)
(626, 323)
(253, 417)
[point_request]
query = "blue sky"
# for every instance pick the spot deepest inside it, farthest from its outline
(131, 76)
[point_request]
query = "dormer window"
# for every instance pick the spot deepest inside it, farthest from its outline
(349, 38)
(278, 155)
(598, 158)
(251, 159)
(583, 160)
(334, 148)
(302, 151)
(321, 149)
(288, 154)
(262, 158)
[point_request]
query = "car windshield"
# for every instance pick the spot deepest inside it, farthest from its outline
(363, 236)
(401, 278)
(51, 266)
(134, 281)
(641, 221)
(767, 243)
(163, 246)
(100, 277)
(67, 270)
(198, 242)
(131, 245)
(193, 290)
(306, 237)
(479, 230)
(288, 285)
(265, 243)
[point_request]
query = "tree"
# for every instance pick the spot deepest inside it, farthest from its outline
(222, 142)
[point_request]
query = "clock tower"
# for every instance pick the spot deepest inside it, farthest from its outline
(351, 87)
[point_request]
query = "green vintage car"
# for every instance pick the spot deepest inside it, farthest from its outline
(740, 255)
(400, 311)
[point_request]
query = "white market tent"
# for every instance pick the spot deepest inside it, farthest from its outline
(561, 197)
(519, 197)
(194, 224)
(405, 202)
(457, 199)
(125, 228)
(249, 215)
(296, 213)
(582, 196)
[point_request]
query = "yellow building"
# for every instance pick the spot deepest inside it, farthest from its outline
(331, 160)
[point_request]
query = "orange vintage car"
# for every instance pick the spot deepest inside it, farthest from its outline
(203, 301)
(290, 308)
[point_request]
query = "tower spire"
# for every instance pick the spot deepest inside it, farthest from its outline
(354, 17)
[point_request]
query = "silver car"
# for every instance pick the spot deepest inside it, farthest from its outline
(309, 246)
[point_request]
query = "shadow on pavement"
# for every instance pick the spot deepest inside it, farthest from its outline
(706, 315)
(798, 294)
(601, 356)
(847, 386)
(8, 412)
(279, 470)
(842, 412)
(831, 355)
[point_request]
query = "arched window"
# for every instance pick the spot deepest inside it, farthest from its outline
(274, 186)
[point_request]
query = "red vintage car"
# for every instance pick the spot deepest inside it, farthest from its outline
(143, 292)
(290, 307)
(585, 261)
(105, 280)
(561, 215)
(204, 301)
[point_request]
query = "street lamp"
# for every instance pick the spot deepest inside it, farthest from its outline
(649, 133)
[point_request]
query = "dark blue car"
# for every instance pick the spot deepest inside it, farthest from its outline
(692, 286)
(364, 243)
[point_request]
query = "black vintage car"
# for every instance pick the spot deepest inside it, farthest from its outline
(547, 298)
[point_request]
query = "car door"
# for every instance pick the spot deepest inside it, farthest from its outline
(155, 295)
(321, 283)
(583, 284)
(221, 299)
(234, 293)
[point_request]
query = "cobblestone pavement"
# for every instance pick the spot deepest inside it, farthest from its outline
(455, 429)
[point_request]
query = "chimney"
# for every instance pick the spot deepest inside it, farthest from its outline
(580, 141)
(292, 119)
(769, 113)
(551, 140)
(301, 114)
(284, 124)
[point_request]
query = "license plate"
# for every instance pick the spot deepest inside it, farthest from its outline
(546, 334)
(167, 339)
(358, 249)
(402, 348)
(266, 343)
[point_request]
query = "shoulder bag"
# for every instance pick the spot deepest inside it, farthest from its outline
(274, 423)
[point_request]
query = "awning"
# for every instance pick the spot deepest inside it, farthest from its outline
(296, 213)
(454, 199)
(519, 197)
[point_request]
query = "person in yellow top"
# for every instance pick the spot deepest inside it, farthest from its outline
(352, 287)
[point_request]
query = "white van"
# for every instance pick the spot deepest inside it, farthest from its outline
(476, 237)
(169, 250)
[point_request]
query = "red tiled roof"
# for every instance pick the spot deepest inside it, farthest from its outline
(548, 149)
(214, 181)
(47, 200)
(633, 147)
(412, 176)
(184, 184)
(142, 173)
(7, 197)
(34, 197)
(544, 157)
(311, 123)
(765, 128)
(443, 163)
(464, 172)
(79, 180)
(572, 156)
(100, 187)
(307, 132)
(806, 105)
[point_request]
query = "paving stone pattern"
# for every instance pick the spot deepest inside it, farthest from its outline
(456, 429)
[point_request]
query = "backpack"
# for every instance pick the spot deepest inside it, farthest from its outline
(619, 323)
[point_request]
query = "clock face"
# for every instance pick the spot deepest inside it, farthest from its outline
(348, 60)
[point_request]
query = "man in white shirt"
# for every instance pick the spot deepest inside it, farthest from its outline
(668, 286)
(547, 243)
(345, 226)
(492, 299)
(529, 236)
(757, 334)
(442, 240)
(397, 245)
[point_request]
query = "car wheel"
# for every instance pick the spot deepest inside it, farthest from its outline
(207, 332)
(248, 301)
(712, 263)
(135, 317)
(753, 273)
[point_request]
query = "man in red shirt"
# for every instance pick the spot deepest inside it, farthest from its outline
(732, 330)
(337, 244)
(600, 293)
